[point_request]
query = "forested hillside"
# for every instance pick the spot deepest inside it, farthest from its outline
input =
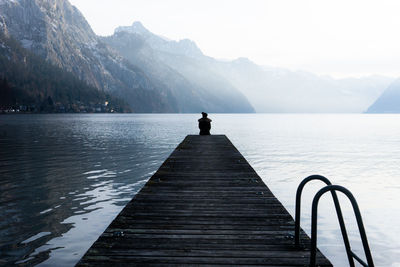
(29, 83)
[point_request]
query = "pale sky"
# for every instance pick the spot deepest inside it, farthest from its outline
(338, 37)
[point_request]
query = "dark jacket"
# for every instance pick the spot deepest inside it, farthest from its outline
(204, 126)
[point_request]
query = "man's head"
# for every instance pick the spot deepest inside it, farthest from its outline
(204, 114)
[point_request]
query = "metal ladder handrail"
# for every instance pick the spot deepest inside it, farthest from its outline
(314, 217)
(338, 212)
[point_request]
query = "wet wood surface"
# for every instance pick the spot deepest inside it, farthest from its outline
(204, 206)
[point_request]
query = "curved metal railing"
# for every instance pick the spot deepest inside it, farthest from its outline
(332, 188)
(363, 235)
(338, 211)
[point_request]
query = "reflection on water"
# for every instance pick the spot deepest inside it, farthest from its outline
(65, 177)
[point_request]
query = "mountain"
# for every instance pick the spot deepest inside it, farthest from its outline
(29, 83)
(175, 65)
(389, 101)
(280, 90)
(267, 89)
(57, 31)
(183, 47)
(154, 74)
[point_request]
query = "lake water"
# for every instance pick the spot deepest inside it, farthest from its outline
(63, 178)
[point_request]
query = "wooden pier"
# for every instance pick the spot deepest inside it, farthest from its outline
(204, 206)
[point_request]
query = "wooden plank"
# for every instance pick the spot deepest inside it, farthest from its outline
(204, 206)
(179, 260)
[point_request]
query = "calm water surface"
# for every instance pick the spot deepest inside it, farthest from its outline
(63, 178)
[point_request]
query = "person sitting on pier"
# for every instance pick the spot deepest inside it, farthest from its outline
(204, 124)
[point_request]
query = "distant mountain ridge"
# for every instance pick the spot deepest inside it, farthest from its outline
(174, 65)
(268, 89)
(184, 47)
(271, 89)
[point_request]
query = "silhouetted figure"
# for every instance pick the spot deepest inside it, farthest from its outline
(204, 124)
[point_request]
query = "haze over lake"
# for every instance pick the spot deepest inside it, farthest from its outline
(65, 177)
(299, 87)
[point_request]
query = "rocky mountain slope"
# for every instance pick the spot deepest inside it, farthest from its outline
(154, 74)
(389, 101)
(57, 31)
(29, 83)
(267, 89)
(175, 65)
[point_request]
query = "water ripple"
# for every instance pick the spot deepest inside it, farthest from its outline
(65, 177)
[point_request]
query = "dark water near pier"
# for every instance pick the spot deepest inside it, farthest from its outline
(63, 178)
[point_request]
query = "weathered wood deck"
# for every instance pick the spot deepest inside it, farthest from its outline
(204, 206)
